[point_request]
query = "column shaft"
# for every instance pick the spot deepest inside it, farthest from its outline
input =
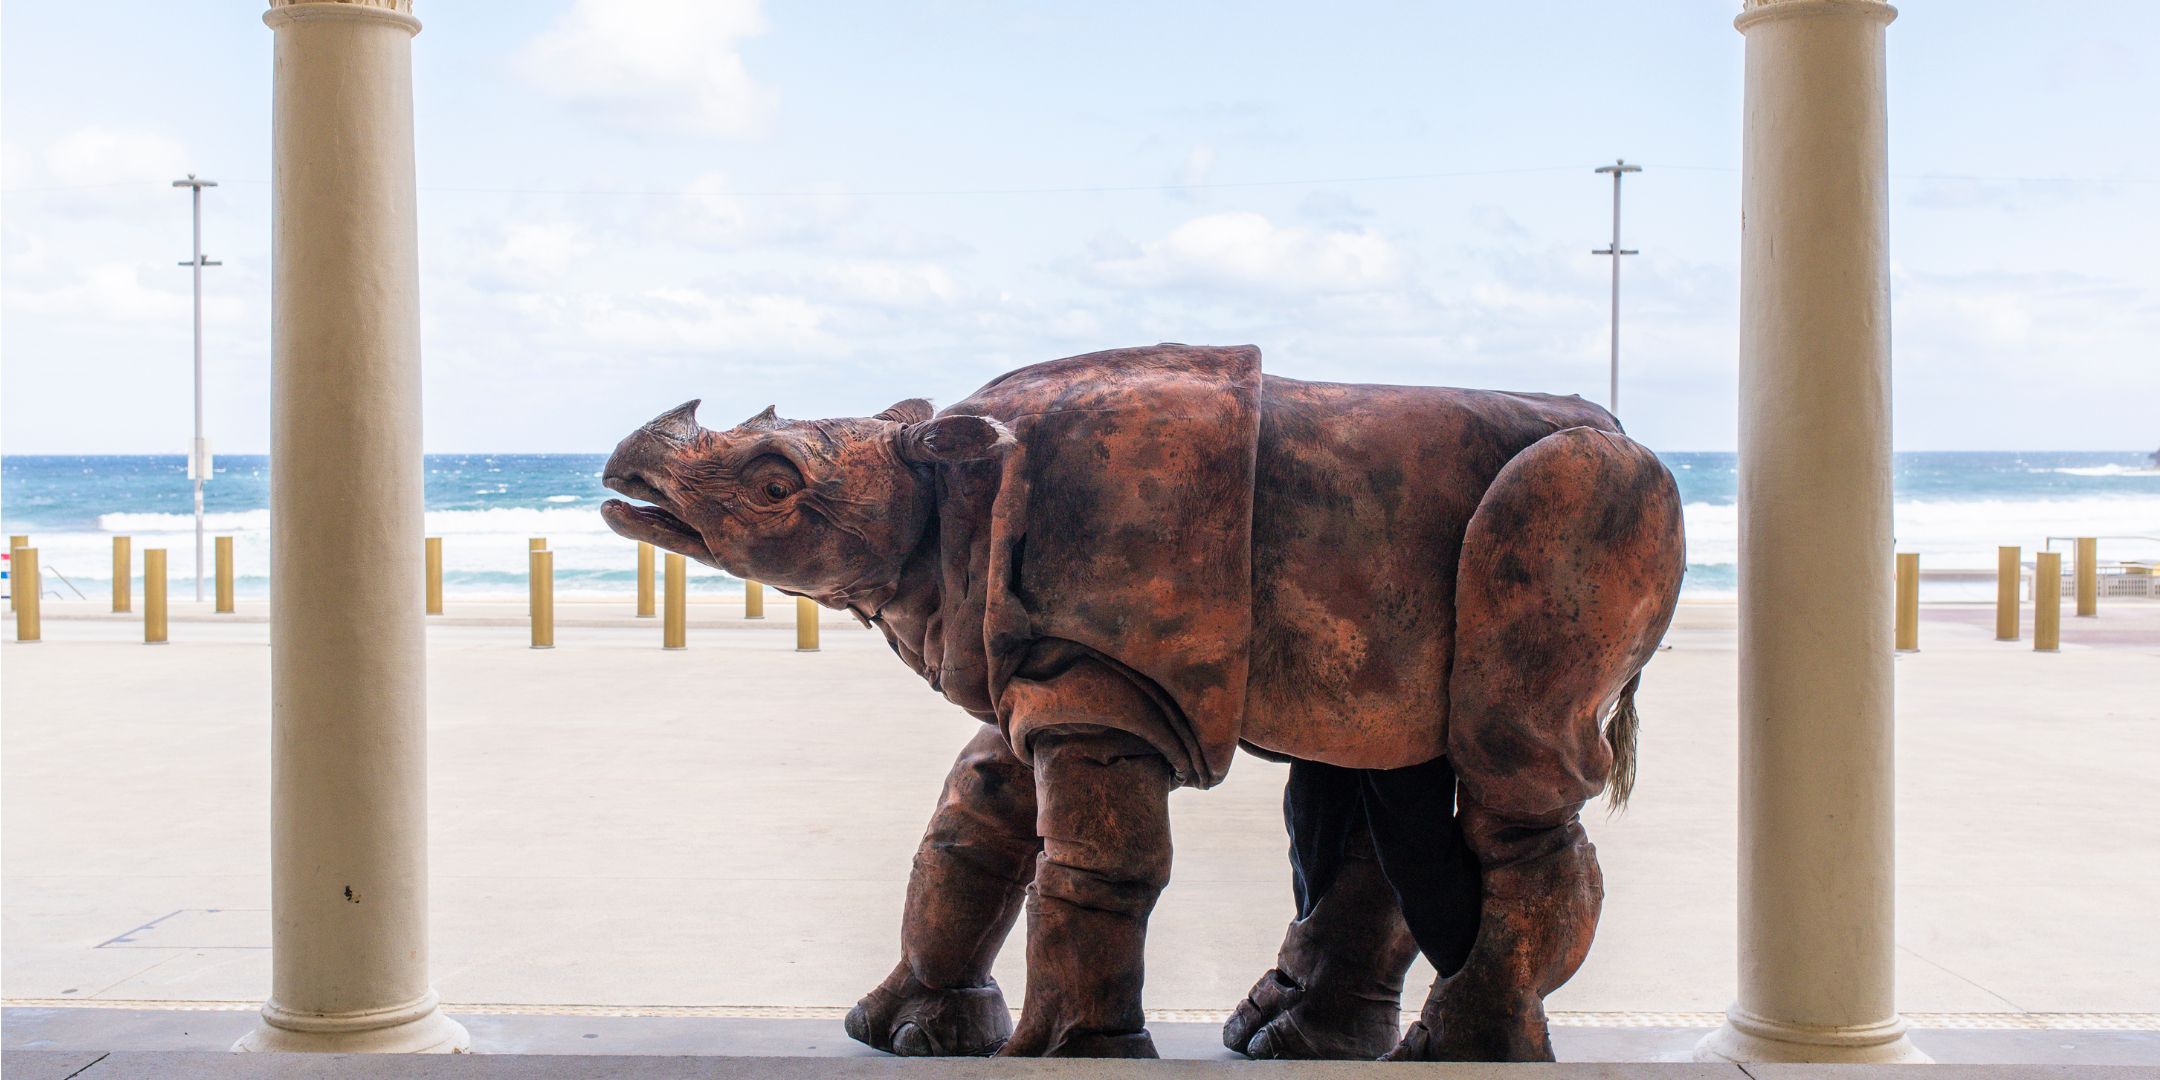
(348, 667)
(1816, 828)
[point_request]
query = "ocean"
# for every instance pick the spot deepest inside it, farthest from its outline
(1952, 508)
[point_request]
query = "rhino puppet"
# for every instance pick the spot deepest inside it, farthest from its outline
(1434, 604)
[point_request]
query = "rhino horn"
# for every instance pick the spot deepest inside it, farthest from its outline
(678, 424)
(768, 419)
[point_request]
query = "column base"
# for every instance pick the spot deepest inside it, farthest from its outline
(419, 1028)
(1745, 1037)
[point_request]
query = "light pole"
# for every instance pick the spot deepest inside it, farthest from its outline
(1617, 169)
(199, 453)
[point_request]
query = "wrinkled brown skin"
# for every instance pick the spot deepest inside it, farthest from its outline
(1128, 564)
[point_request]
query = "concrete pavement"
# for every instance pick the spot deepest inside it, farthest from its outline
(730, 826)
(193, 1066)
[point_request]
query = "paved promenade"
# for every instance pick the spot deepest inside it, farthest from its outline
(725, 831)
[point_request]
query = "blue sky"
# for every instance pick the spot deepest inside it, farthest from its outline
(832, 206)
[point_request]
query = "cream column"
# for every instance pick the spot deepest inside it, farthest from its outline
(348, 672)
(1816, 830)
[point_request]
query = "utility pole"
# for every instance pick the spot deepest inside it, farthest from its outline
(199, 453)
(1618, 168)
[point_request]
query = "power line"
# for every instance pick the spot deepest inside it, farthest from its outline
(1107, 189)
(1076, 190)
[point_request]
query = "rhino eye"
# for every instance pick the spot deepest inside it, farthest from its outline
(771, 478)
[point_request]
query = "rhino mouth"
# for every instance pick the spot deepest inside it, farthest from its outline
(652, 524)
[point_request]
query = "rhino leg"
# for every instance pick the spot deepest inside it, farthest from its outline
(1542, 892)
(1335, 991)
(970, 876)
(1104, 816)
(1568, 576)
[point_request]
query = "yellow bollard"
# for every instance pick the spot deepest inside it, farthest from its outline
(29, 591)
(644, 580)
(153, 590)
(1908, 602)
(2006, 593)
(17, 540)
(2088, 576)
(753, 600)
(2047, 602)
(537, 543)
(434, 575)
(678, 596)
(224, 575)
(123, 574)
(543, 598)
(806, 625)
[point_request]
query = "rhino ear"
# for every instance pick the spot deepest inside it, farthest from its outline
(949, 440)
(914, 410)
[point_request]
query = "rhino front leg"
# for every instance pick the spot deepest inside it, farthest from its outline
(1104, 815)
(970, 876)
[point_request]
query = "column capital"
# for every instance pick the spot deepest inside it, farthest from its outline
(286, 12)
(1761, 11)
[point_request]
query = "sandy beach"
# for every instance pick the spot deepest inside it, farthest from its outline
(730, 825)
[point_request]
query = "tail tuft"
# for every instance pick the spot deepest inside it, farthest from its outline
(1620, 731)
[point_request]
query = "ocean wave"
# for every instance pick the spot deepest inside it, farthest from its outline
(220, 521)
(1962, 534)
(535, 520)
(2103, 470)
(1948, 534)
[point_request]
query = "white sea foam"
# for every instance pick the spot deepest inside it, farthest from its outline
(2104, 470)
(486, 549)
(1963, 534)
(230, 521)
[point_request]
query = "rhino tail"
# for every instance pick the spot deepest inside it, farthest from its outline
(1621, 729)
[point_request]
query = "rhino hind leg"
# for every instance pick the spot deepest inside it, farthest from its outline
(1569, 572)
(964, 894)
(1335, 991)
(1542, 892)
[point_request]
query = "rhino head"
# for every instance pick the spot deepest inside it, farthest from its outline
(825, 508)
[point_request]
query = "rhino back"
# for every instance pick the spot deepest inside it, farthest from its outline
(1362, 495)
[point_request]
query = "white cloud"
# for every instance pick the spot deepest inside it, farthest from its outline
(681, 321)
(14, 167)
(97, 155)
(531, 253)
(1244, 250)
(115, 293)
(671, 64)
(1199, 165)
(707, 213)
(880, 283)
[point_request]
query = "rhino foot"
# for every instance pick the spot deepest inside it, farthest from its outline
(1280, 1019)
(904, 1017)
(1501, 1029)
(1085, 1044)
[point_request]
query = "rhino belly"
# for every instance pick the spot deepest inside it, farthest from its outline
(1362, 496)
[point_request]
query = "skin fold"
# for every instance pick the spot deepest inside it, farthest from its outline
(1435, 603)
